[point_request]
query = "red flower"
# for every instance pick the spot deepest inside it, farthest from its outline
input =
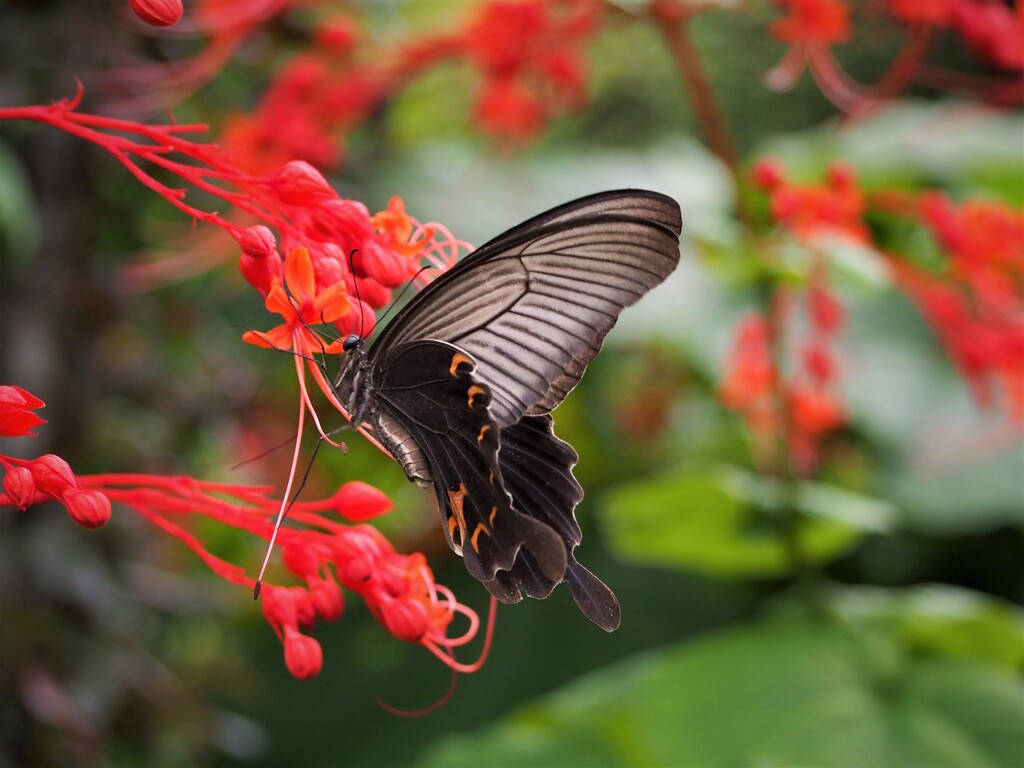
(509, 109)
(528, 54)
(935, 13)
(810, 210)
(976, 302)
(813, 22)
(299, 303)
(16, 417)
(993, 30)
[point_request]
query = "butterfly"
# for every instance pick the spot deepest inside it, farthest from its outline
(460, 385)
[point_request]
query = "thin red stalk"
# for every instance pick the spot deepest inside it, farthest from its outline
(709, 115)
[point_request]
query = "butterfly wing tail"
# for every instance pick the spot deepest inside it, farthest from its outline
(537, 470)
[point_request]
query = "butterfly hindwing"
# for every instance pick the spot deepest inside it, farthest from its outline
(427, 394)
(537, 470)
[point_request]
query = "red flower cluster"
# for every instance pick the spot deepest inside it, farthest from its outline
(529, 56)
(312, 103)
(399, 589)
(992, 30)
(48, 476)
(526, 50)
(803, 408)
(976, 303)
(812, 22)
(835, 207)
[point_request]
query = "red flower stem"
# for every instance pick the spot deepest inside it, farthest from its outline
(222, 568)
(709, 115)
(895, 79)
(721, 143)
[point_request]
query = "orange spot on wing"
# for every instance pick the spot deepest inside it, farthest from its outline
(453, 526)
(474, 391)
(455, 501)
(480, 528)
(494, 511)
(483, 431)
(458, 359)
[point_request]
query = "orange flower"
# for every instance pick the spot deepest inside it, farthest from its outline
(297, 301)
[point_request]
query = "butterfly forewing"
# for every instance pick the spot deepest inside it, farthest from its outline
(533, 306)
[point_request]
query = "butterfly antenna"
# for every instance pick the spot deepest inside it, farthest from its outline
(295, 496)
(355, 283)
(398, 298)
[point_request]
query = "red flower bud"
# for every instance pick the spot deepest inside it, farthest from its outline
(768, 174)
(52, 475)
(827, 314)
(287, 606)
(302, 654)
(327, 598)
(299, 183)
(20, 487)
(159, 13)
(301, 559)
(841, 176)
(405, 618)
(258, 241)
(260, 272)
(357, 501)
(89, 508)
(819, 363)
(337, 35)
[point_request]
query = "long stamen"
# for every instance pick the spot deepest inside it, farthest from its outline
(288, 487)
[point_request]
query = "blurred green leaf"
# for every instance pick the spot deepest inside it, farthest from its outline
(938, 619)
(728, 522)
(19, 225)
(975, 491)
(767, 696)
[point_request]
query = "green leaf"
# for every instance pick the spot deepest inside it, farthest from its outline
(728, 522)
(938, 619)
(765, 696)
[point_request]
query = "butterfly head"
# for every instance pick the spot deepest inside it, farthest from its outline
(351, 342)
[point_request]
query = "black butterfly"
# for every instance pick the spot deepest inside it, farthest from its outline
(460, 385)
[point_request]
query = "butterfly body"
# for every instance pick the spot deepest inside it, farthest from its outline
(460, 385)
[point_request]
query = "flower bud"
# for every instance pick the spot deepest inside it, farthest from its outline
(20, 487)
(405, 618)
(260, 272)
(258, 241)
(53, 475)
(302, 654)
(299, 183)
(89, 508)
(767, 174)
(327, 598)
(159, 13)
(358, 501)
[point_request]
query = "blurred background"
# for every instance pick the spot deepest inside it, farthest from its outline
(845, 590)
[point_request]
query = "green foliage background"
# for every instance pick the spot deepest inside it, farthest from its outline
(897, 642)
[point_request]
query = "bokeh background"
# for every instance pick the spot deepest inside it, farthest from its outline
(891, 635)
